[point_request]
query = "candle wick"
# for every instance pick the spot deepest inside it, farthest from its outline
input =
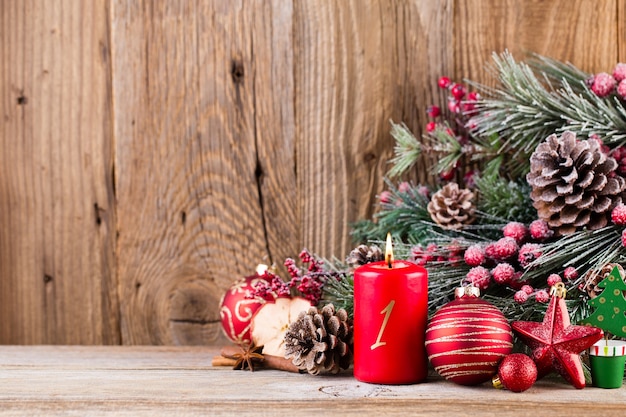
(389, 261)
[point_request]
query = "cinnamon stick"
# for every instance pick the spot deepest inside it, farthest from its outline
(280, 364)
(269, 361)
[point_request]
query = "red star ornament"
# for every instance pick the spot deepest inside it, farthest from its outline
(556, 343)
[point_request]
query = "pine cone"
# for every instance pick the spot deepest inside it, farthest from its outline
(593, 278)
(364, 254)
(573, 183)
(320, 341)
(451, 207)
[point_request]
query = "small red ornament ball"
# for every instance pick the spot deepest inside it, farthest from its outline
(517, 372)
(237, 311)
(467, 338)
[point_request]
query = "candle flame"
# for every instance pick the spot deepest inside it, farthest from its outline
(389, 251)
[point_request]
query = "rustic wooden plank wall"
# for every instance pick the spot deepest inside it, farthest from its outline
(58, 280)
(155, 150)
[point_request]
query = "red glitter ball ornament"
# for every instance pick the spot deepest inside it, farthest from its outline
(517, 372)
(466, 338)
(237, 310)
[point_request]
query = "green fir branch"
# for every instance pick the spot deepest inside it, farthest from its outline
(588, 114)
(504, 199)
(406, 150)
(531, 310)
(443, 278)
(555, 72)
(452, 151)
(448, 146)
(403, 217)
(525, 109)
(407, 218)
(520, 112)
(586, 250)
(340, 292)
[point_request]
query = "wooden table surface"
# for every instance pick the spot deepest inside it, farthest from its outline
(152, 381)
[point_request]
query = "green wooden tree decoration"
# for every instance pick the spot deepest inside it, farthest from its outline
(609, 305)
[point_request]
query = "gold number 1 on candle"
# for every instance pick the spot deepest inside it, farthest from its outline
(387, 312)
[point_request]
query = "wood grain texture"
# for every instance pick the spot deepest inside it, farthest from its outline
(205, 158)
(144, 381)
(621, 31)
(583, 32)
(155, 151)
(424, 32)
(357, 66)
(57, 211)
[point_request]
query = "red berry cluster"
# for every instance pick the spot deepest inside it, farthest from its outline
(502, 262)
(461, 104)
(308, 281)
(604, 84)
(275, 288)
(542, 295)
(459, 100)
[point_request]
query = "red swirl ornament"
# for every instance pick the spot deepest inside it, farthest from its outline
(466, 338)
(237, 311)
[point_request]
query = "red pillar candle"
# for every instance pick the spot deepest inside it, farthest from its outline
(390, 317)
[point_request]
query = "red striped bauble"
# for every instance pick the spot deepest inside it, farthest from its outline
(467, 338)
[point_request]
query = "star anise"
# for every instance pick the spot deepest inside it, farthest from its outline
(250, 353)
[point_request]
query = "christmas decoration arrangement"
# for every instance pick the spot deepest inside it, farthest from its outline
(505, 267)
